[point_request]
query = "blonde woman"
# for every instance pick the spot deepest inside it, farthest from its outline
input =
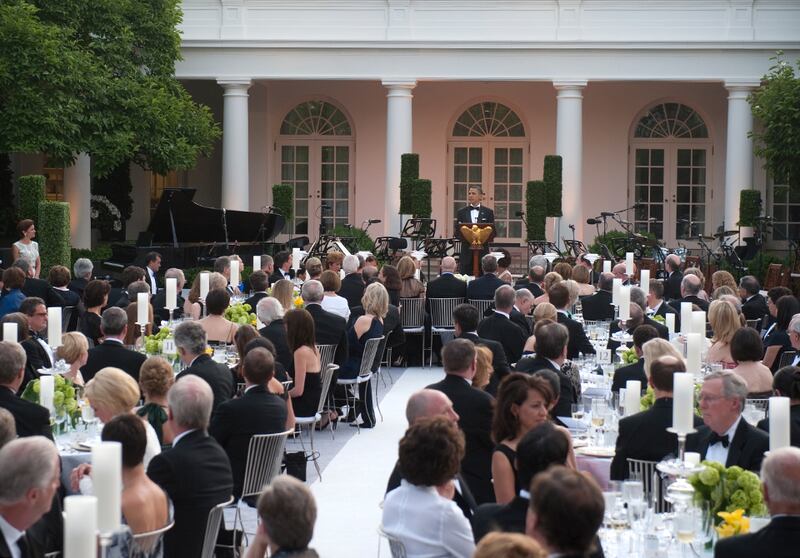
(724, 322)
(283, 290)
(192, 307)
(580, 274)
(544, 312)
(574, 291)
(656, 348)
(723, 278)
(549, 280)
(74, 350)
(483, 369)
(411, 286)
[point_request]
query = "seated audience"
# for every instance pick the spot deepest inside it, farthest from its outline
(155, 379)
(390, 277)
(352, 285)
(259, 283)
(193, 306)
(691, 288)
(523, 303)
(447, 285)
(30, 419)
(578, 341)
(551, 353)
(598, 306)
(313, 267)
(483, 287)
(307, 389)
(218, 328)
(508, 545)
(550, 280)
(722, 278)
(74, 350)
(533, 282)
(465, 322)
(724, 322)
(635, 371)
(483, 367)
(274, 385)
(282, 269)
(411, 286)
(581, 275)
(12, 296)
(777, 340)
(787, 384)
(541, 312)
(499, 327)
(746, 351)
(283, 291)
(95, 298)
(329, 328)
(271, 313)
(190, 340)
(657, 305)
(639, 297)
(39, 353)
(657, 348)
(82, 271)
(332, 301)
(132, 337)
(244, 334)
(29, 344)
(35, 287)
(59, 277)
(503, 263)
(767, 323)
(421, 512)
(112, 352)
(564, 270)
(159, 300)
(333, 261)
(753, 304)
(119, 295)
(8, 427)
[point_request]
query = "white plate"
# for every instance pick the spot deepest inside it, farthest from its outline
(595, 451)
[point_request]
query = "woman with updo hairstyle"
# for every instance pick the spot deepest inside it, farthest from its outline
(483, 367)
(333, 261)
(508, 545)
(74, 350)
(218, 328)
(283, 291)
(155, 379)
(421, 512)
(503, 264)
(786, 383)
(543, 313)
(26, 247)
(721, 291)
(332, 302)
(549, 280)
(725, 323)
(193, 306)
(95, 298)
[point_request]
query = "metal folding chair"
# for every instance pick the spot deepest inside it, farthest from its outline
(412, 316)
(482, 305)
(396, 546)
(646, 472)
(144, 544)
(212, 528)
(441, 318)
(364, 374)
(787, 358)
(311, 422)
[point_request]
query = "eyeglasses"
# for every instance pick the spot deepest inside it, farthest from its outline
(709, 398)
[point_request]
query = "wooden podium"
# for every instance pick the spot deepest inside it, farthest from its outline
(476, 235)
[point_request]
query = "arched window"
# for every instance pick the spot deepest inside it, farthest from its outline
(669, 175)
(488, 147)
(316, 150)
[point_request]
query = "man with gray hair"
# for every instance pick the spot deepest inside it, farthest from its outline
(191, 341)
(523, 304)
(499, 327)
(672, 284)
(353, 283)
(726, 437)
(159, 300)
(533, 282)
(483, 287)
(690, 291)
(754, 306)
(329, 328)
(28, 485)
(81, 275)
(195, 472)
(112, 351)
(30, 419)
(780, 538)
(270, 312)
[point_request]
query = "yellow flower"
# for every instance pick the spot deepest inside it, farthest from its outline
(298, 302)
(209, 351)
(734, 523)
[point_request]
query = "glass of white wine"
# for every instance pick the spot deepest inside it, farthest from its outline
(685, 525)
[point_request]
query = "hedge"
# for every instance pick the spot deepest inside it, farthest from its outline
(31, 194)
(749, 207)
(421, 198)
(553, 186)
(536, 209)
(409, 172)
(52, 228)
(283, 200)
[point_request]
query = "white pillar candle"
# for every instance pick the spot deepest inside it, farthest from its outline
(778, 423)
(234, 272)
(615, 291)
(633, 396)
(606, 266)
(691, 458)
(11, 332)
(683, 402)
(46, 392)
(699, 323)
(80, 526)
(629, 264)
(644, 280)
(694, 342)
(670, 320)
(204, 278)
(54, 327)
(624, 303)
(256, 263)
(686, 317)
(172, 293)
(296, 257)
(142, 305)
(107, 483)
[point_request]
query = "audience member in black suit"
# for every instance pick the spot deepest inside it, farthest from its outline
(778, 340)
(152, 263)
(159, 300)
(465, 322)
(474, 212)
(551, 353)
(38, 288)
(29, 485)
(780, 538)
(523, 304)
(119, 295)
(474, 408)
(533, 282)
(636, 319)
(259, 282)
(639, 297)
(578, 342)
(195, 473)
(635, 371)
(754, 306)
(690, 289)
(565, 513)
(446, 285)
(28, 343)
(484, 287)
(191, 341)
(786, 383)
(427, 403)
(39, 353)
(672, 284)
(270, 312)
(658, 306)
(82, 271)
(598, 306)
(726, 437)
(499, 327)
(257, 412)
(112, 352)
(353, 283)
(31, 419)
(329, 328)
(59, 279)
(282, 267)
(644, 435)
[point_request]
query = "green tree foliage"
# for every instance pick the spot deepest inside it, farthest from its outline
(553, 187)
(536, 209)
(777, 105)
(97, 76)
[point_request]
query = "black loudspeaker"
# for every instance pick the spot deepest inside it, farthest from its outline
(145, 238)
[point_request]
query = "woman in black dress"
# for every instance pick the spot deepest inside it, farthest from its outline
(95, 298)
(307, 388)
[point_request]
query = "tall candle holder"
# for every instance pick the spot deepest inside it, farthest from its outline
(171, 311)
(105, 543)
(680, 493)
(142, 330)
(203, 307)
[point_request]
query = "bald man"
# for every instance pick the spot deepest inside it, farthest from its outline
(427, 403)
(447, 285)
(690, 291)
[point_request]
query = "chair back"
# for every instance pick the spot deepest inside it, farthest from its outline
(212, 528)
(68, 314)
(755, 324)
(482, 305)
(651, 480)
(327, 377)
(146, 544)
(787, 358)
(326, 355)
(442, 311)
(264, 457)
(396, 546)
(368, 357)
(412, 313)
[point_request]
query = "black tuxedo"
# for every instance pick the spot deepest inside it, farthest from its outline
(780, 538)
(118, 296)
(36, 357)
(755, 308)
(745, 450)
(196, 474)
(663, 331)
(42, 289)
(463, 497)
(33, 550)
(31, 419)
(500, 367)
(77, 285)
(665, 309)
(276, 332)
(159, 302)
(525, 283)
(330, 329)
(483, 287)
(702, 304)
(794, 425)
(633, 371)
(485, 215)
(257, 412)
(504, 331)
(68, 298)
(277, 276)
(597, 306)
(111, 353)
(352, 289)
(254, 300)
(519, 318)
(446, 285)
(216, 374)
(578, 342)
(644, 436)
(475, 409)
(148, 273)
(566, 395)
(672, 286)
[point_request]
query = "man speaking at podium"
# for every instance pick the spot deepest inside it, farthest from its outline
(475, 212)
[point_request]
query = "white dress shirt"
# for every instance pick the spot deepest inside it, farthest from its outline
(11, 534)
(429, 525)
(152, 280)
(717, 452)
(474, 211)
(796, 360)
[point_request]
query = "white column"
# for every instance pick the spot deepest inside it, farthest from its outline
(77, 192)
(235, 145)
(569, 144)
(739, 156)
(398, 141)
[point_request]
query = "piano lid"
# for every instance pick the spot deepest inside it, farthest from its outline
(178, 219)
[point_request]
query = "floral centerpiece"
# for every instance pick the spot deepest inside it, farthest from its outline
(629, 356)
(728, 490)
(240, 313)
(64, 396)
(649, 398)
(105, 215)
(154, 344)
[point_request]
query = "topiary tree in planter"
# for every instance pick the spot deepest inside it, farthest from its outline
(536, 209)
(52, 229)
(749, 207)
(31, 194)
(409, 172)
(420, 198)
(283, 200)
(553, 184)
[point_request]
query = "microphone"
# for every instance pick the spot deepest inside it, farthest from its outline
(607, 214)
(638, 206)
(572, 227)
(593, 221)
(373, 221)
(519, 214)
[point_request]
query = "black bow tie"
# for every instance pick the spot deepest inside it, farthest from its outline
(717, 438)
(475, 207)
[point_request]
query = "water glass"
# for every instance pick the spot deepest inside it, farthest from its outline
(632, 491)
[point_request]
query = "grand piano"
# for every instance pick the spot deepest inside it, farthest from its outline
(188, 234)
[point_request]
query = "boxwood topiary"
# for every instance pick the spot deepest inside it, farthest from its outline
(552, 181)
(52, 229)
(409, 172)
(536, 209)
(31, 194)
(283, 200)
(749, 207)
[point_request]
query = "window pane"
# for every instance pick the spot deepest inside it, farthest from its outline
(657, 175)
(500, 193)
(683, 194)
(515, 193)
(342, 172)
(475, 155)
(301, 189)
(301, 208)
(699, 176)
(327, 154)
(657, 157)
(642, 157)
(287, 154)
(475, 175)
(287, 172)
(699, 194)
(515, 229)
(460, 173)
(460, 155)
(500, 174)
(656, 193)
(699, 157)
(327, 190)
(516, 156)
(642, 194)
(516, 175)
(500, 156)
(501, 211)
(684, 157)
(684, 176)
(342, 153)
(642, 175)
(342, 190)
(302, 172)
(302, 154)
(327, 172)
(341, 209)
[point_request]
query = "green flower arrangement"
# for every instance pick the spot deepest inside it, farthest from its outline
(649, 398)
(64, 396)
(629, 356)
(728, 489)
(240, 314)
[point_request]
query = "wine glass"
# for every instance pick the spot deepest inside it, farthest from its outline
(685, 525)
(60, 418)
